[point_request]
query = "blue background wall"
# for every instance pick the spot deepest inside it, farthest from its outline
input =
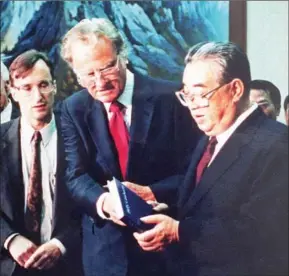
(158, 33)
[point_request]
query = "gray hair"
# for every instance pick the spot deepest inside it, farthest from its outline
(89, 31)
(4, 72)
(229, 56)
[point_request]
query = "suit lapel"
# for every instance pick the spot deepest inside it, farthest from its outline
(142, 112)
(15, 112)
(14, 185)
(97, 123)
(189, 181)
(231, 151)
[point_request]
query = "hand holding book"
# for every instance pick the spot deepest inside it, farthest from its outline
(144, 192)
(129, 207)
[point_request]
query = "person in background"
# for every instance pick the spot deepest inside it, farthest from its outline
(267, 96)
(8, 109)
(233, 204)
(286, 110)
(40, 231)
(121, 125)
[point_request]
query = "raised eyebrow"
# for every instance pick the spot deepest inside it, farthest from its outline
(43, 81)
(202, 85)
(25, 86)
(111, 63)
(263, 102)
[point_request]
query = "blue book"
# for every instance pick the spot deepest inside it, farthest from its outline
(129, 206)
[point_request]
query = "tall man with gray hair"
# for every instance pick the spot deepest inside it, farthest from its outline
(121, 125)
(233, 204)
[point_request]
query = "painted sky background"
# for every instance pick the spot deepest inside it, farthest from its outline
(158, 33)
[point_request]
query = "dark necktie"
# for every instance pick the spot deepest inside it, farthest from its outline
(205, 160)
(120, 135)
(34, 194)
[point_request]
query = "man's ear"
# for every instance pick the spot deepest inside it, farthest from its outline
(14, 93)
(55, 87)
(80, 82)
(7, 87)
(237, 89)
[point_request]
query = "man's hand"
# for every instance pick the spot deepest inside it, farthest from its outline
(45, 257)
(108, 208)
(144, 192)
(165, 232)
(20, 248)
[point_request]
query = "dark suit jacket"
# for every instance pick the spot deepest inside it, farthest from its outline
(235, 222)
(15, 111)
(66, 226)
(162, 137)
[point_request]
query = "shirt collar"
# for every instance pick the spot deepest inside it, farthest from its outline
(227, 133)
(47, 132)
(6, 112)
(126, 96)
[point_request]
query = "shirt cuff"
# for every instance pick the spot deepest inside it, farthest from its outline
(59, 244)
(9, 240)
(99, 205)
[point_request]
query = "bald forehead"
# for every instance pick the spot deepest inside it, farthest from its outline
(202, 70)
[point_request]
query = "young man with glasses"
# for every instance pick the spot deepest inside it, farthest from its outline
(121, 125)
(39, 233)
(233, 204)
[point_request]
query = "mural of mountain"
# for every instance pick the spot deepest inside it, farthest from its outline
(158, 33)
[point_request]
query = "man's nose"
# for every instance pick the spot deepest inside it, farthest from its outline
(36, 93)
(99, 80)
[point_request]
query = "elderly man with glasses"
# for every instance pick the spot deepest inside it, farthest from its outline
(121, 125)
(40, 230)
(8, 109)
(233, 204)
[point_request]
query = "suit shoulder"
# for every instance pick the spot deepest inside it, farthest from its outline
(5, 127)
(79, 97)
(157, 85)
(272, 136)
(275, 130)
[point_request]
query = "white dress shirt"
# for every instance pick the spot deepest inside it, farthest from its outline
(6, 113)
(223, 137)
(126, 100)
(48, 152)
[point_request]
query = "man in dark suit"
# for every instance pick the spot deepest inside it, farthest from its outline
(233, 204)
(155, 137)
(8, 108)
(47, 244)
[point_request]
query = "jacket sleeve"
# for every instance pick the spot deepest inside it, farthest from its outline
(83, 189)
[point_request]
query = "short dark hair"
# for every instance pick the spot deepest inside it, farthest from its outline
(232, 59)
(24, 62)
(270, 89)
(286, 102)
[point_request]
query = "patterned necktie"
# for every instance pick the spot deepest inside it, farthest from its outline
(205, 160)
(34, 195)
(120, 135)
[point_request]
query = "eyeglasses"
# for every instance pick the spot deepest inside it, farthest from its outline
(187, 98)
(44, 87)
(105, 73)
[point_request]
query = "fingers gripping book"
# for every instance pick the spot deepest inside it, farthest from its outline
(129, 206)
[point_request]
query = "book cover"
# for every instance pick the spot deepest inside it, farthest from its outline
(129, 206)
